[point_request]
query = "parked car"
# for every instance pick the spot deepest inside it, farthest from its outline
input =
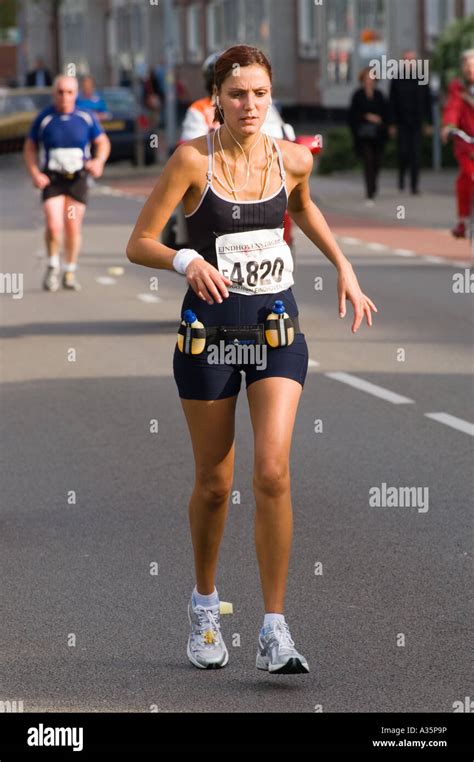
(18, 108)
(126, 125)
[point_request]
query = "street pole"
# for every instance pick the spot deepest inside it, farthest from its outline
(21, 62)
(436, 141)
(136, 90)
(170, 88)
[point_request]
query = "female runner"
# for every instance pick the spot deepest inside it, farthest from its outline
(235, 184)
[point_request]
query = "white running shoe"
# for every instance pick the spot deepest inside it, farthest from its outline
(51, 279)
(206, 647)
(70, 281)
(277, 653)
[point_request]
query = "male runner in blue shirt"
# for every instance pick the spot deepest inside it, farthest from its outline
(58, 157)
(90, 99)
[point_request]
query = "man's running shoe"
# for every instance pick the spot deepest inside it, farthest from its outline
(277, 653)
(70, 282)
(206, 648)
(459, 231)
(51, 279)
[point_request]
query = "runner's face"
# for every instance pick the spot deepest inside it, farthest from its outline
(468, 69)
(246, 93)
(65, 94)
(87, 87)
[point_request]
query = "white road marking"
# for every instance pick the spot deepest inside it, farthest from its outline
(451, 420)
(404, 252)
(377, 246)
(150, 298)
(351, 241)
(313, 363)
(359, 259)
(107, 190)
(104, 280)
(366, 386)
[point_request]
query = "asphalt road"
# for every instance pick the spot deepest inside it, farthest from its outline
(86, 627)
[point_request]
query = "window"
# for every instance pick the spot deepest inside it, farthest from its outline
(222, 24)
(256, 20)
(372, 37)
(193, 28)
(123, 28)
(308, 17)
(136, 27)
(351, 22)
(340, 41)
(179, 26)
(74, 42)
(438, 15)
(128, 33)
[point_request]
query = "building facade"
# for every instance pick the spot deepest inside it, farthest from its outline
(316, 47)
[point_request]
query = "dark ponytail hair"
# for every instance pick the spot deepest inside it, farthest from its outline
(237, 55)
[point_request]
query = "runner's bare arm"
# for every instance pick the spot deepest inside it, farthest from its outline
(143, 247)
(30, 155)
(102, 146)
(308, 217)
(306, 214)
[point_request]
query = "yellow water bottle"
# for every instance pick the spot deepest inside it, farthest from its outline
(188, 342)
(278, 331)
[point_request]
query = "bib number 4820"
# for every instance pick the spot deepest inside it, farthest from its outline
(258, 273)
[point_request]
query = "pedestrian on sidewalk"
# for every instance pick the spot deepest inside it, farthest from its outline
(65, 134)
(459, 113)
(410, 107)
(368, 123)
(153, 97)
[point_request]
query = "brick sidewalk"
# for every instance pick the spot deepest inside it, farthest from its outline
(420, 240)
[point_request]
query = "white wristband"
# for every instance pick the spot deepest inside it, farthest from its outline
(182, 259)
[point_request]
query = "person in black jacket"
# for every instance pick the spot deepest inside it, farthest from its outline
(40, 76)
(368, 123)
(410, 105)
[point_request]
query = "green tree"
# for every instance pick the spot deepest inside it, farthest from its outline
(7, 14)
(457, 37)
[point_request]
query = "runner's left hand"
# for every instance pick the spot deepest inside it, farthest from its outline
(348, 288)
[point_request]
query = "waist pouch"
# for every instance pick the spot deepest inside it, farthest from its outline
(55, 176)
(235, 334)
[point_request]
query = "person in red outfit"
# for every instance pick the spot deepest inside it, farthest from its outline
(459, 112)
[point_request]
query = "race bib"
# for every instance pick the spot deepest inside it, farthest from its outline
(256, 261)
(65, 159)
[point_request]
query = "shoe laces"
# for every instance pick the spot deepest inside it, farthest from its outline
(208, 625)
(282, 635)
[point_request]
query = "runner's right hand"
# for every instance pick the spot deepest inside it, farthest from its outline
(40, 180)
(206, 281)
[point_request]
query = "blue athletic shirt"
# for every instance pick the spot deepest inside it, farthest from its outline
(95, 103)
(64, 138)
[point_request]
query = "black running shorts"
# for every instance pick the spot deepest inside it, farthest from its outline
(60, 185)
